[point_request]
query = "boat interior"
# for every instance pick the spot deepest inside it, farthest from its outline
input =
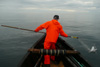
(36, 60)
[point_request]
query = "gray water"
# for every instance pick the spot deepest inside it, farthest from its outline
(15, 43)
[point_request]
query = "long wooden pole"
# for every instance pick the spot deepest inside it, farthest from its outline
(20, 28)
(31, 30)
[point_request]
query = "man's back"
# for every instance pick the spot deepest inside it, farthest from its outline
(53, 28)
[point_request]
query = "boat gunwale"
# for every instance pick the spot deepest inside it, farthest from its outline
(28, 53)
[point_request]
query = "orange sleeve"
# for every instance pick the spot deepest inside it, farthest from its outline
(42, 26)
(62, 33)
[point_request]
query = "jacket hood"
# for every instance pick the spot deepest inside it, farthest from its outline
(55, 22)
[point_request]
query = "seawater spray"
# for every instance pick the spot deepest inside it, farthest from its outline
(85, 45)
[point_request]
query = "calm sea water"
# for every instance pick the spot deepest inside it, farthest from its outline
(15, 43)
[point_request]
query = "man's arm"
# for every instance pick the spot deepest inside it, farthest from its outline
(62, 33)
(42, 26)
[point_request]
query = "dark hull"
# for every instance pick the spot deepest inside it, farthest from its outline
(35, 60)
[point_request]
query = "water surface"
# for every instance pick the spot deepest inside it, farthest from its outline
(15, 43)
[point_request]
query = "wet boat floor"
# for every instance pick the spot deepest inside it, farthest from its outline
(60, 64)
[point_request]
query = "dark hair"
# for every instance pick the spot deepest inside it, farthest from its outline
(56, 17)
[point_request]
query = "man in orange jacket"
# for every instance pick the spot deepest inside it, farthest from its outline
(53, 28)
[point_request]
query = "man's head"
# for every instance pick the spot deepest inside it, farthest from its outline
(56, 17)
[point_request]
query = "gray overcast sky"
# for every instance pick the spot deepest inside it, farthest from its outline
(50, 5)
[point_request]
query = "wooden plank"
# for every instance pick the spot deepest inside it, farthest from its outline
(55, 65)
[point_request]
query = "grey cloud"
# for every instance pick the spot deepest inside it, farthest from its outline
(96, 3)
(58, 4)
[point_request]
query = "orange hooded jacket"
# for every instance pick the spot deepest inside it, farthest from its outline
(53, 28)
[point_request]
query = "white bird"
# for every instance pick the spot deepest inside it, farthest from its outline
(93, 49)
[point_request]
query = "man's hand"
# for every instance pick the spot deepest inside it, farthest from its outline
(73, 37)
(35, 31)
